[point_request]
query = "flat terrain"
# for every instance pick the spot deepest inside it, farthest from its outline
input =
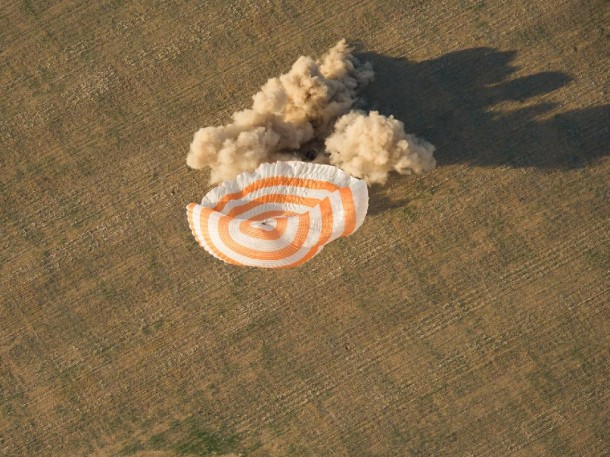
(469, 316)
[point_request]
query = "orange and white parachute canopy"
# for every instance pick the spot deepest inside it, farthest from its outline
(280, 215)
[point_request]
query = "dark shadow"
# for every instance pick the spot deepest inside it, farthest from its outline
(454, 102)
(379, 201)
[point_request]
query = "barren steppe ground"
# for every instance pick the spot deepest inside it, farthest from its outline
(468, 316)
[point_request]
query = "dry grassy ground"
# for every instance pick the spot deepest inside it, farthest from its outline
(468, 316)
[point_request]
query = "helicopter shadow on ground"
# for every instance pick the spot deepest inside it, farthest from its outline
(455, 102)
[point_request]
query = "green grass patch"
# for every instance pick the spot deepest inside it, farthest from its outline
(202, 442)
(131, 448)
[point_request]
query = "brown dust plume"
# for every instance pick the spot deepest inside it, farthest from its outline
(294, 113)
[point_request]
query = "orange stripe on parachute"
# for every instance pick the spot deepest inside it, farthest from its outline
(206, 236)
(327, 230)
(273, 198)
(349, 210)
(313, 184)
(292, 248)
(255, 232)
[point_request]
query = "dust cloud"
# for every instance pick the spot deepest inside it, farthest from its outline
(369, 146)
(294, 115)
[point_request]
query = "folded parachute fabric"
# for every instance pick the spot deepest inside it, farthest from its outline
(280, 215)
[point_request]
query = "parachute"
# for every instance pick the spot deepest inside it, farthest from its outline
(279, 216)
